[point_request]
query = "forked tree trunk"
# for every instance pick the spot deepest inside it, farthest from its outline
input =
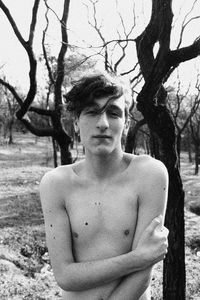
(161, 124)
(152, 104)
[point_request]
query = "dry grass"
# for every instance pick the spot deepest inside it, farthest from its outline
(25, 272)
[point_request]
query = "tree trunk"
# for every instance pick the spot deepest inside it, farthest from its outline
(66, 157)
(10, 126)
(161, 124)
(189, 152)
(197, 158)
(154, 145)
(178, 142)
(64, 142)
(131, 136)
(174, 264)
(130, 139)
(54, 152)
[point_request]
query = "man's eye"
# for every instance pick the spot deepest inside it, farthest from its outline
(113, 114)
(92, 112)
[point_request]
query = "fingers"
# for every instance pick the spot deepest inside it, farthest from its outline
(162, 230)
(154, 223)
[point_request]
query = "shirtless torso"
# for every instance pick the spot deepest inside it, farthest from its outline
(103, 221)
(102, 230)
(100, 221)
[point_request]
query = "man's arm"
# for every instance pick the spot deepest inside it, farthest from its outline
(152, 202)
(70, 275)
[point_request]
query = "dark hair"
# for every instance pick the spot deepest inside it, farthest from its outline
(92, 87)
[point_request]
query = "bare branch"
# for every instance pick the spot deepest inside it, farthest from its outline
(137, 78)
(97, 28)
(36, 131)
(12, 90)
(43, 45)
(131, 70)
(63, 49)
(186, 53)
(28, 47)
(184, 23)
(33, 21)
(13, 24)
(40, 111)
(123, 47)
(52, 11)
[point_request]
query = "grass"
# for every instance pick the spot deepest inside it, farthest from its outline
(25, 271)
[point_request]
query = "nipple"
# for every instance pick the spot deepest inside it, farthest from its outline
(75, 235)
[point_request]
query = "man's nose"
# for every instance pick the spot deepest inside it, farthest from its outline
(102, 122)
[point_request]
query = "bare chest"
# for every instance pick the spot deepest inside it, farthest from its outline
(102, 221)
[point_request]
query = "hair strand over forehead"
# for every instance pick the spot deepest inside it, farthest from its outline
(88, 88)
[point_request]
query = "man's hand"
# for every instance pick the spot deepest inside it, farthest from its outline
(152, 245)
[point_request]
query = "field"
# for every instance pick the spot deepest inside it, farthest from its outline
(25, 271)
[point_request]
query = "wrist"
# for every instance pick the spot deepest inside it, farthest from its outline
(139, 261)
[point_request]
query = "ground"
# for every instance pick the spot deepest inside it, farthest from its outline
(25, 271)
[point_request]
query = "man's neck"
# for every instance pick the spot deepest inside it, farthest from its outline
(102, 167)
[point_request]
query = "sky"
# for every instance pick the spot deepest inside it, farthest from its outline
(13, 59)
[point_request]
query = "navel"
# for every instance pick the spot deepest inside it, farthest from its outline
(126, 232)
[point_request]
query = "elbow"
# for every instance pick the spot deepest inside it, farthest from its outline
(64, 285)
(62, 277)
(67, 282)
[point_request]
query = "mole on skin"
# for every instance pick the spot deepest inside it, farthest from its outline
(126, 232)
(86, 223)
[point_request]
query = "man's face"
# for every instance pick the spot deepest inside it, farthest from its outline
(101, 131)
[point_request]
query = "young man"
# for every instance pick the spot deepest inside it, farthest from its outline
(104, 214)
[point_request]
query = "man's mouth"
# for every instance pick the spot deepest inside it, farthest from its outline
(102, 136)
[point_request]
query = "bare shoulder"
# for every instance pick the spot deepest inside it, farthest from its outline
(150, 165)
(147, 167)
(57, 182)
(55, 176)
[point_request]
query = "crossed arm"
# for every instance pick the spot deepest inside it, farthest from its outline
(133, 268)
(152, 202)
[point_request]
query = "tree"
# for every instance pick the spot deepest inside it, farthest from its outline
(182, 107)
(8, 107)
(195, 135)
(151, 101)
(55, 128)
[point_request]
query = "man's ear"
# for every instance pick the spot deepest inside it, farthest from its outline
(76, 126)
(126, 125)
